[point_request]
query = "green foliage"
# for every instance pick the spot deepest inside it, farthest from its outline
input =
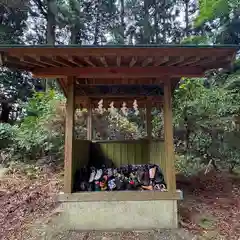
(212, 9)
(33, 139)
(207, 115)
(222, 17)
(198, 40)
(7, 134)
(188, 165)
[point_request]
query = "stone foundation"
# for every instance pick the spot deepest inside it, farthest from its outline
(119, 215)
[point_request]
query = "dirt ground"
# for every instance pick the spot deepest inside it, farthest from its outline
(210, 209)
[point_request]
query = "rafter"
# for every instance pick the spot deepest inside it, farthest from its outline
(60, 61)
(45, 61)
(119, 72)
(206, 60)
(147, 61)
(176, 61)
(72, 60)
(161, 61)
(88, 61)
(189, 61)
(133, 62)
(31, 61)
(103, 61)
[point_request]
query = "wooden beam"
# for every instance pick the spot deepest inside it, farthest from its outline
(69, 136)
(189, 61)
(46, 62)
(121, 51)
(133, 62)
(31, 61)
(121, 72)
(168, 139)
(147, 61)
(92, 82)
(103, 61)
(114, 97)
(161, 61)
(117, 103)
(176, 61)
(205, 60)
(72, 60)
(16, 61)
(88, 61)
(108, 196)
(61, 61)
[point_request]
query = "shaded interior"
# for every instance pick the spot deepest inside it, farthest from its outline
(115, 154)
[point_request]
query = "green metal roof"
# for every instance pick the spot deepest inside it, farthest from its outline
(122, 46)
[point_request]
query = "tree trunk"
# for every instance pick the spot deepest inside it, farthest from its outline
(186, 18)
(51, 22)
(156, 30)
(98, 23)
(6, 109)
(51, 27)
(146, 25)
(122, 14)
(164, 30)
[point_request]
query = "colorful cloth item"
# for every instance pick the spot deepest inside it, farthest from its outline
(127, 177)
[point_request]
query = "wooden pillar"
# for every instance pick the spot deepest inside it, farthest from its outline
(89, 121)
(69, 135)
(168, 138)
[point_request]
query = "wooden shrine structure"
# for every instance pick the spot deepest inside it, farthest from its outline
(146, 74)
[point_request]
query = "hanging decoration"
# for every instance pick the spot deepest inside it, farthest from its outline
(135, 107)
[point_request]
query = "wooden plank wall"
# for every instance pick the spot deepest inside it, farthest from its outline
(121, 152)
(135, 152)
(80, 155)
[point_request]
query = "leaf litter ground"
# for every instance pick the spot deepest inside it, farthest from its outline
(210, 209)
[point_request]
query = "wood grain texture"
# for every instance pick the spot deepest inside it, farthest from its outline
(69, 129)
(168, 139)
(119, 196)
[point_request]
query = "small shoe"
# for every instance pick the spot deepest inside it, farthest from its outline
(152, 172)
(92, 176)
(98, 174)
(109, 172)
(159, 176)
(120, 185)
(115, 172)
(83, 186)
(90, 187)
(146, 179)
(111, 184)
(150, 187)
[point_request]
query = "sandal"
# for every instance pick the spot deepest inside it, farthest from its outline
(98, 174)
(92, 175)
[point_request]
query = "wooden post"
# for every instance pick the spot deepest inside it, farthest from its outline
(168, 138)
(69, 135)
(89, 121)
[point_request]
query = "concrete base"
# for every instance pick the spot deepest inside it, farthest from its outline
(119, 215)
